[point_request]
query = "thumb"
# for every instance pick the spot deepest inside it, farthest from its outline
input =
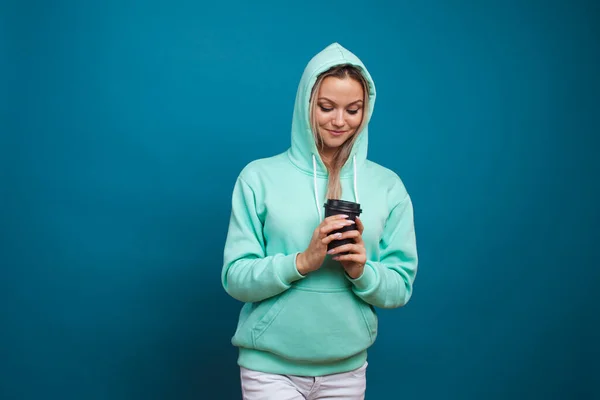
(359, 225)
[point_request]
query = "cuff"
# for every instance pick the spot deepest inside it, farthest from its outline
(367, 281)
(288, 271)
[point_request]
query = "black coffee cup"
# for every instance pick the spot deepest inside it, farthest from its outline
(336, 207)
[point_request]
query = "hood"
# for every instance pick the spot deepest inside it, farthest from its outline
(303, 152)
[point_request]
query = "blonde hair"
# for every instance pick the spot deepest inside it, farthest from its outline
(334, 187)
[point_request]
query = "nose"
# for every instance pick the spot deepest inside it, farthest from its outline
(338, 119)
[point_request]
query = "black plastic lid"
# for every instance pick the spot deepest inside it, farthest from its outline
(343, 206)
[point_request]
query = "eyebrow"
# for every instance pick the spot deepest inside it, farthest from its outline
(331, 101)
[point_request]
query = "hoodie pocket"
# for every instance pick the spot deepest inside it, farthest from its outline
(306, 325)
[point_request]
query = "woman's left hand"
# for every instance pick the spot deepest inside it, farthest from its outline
(354, 261)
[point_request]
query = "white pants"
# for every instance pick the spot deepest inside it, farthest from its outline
(347, 385)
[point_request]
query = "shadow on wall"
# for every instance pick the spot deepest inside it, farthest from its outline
(181, 346)
(188, 355)
(131, 309)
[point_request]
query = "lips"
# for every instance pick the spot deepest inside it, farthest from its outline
(336, 133)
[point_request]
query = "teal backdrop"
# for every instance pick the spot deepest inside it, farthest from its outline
(124, 125)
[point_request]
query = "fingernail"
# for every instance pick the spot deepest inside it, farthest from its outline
(331, 251)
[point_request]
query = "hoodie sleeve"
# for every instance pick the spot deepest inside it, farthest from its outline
(388, 283)
(249, 275)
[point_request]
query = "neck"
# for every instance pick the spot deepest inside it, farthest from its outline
(327, 156)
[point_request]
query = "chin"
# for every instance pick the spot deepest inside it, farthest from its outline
(335, 143)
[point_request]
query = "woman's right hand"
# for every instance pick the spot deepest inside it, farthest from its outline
(312, 258)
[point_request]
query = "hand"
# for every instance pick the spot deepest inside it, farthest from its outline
(312, 258)
(353, 262)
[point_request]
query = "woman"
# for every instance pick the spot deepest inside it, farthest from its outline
(309, 314)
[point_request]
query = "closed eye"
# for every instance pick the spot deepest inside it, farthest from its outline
(351, 112)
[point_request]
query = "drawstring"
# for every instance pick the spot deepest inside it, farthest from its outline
(316, 189)
(317, 203)
(355, 187)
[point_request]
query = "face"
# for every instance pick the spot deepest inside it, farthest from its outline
(339, 111)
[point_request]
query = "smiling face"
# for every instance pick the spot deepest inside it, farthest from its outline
(338, 112)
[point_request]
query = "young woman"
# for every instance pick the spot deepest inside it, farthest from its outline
(309, 313)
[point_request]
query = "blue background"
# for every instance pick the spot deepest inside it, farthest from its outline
(124, 125)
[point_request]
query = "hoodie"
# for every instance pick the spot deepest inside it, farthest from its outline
(323, 322)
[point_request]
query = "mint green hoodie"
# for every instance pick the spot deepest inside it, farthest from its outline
(323, 322)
